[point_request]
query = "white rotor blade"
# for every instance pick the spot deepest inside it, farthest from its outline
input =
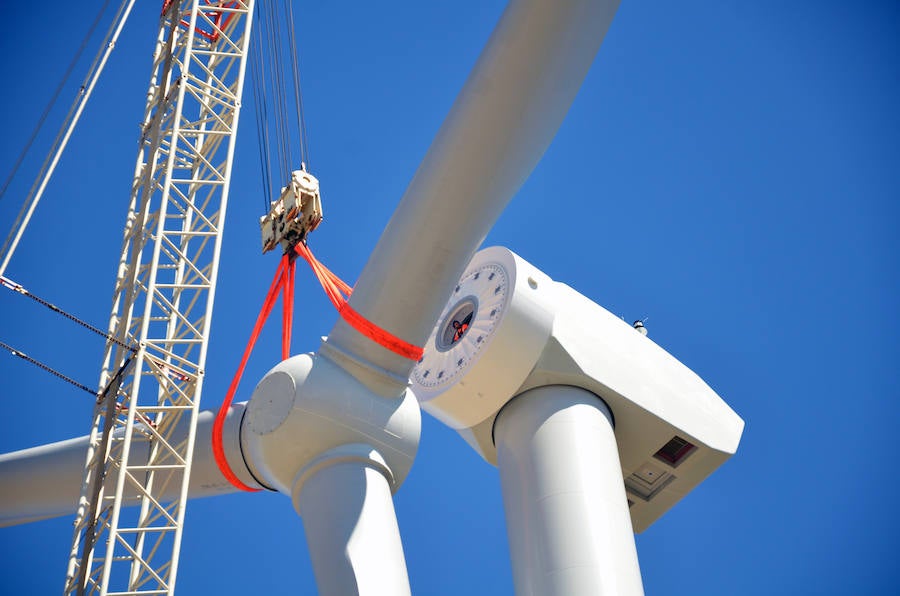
(45, 481)
(497, 130)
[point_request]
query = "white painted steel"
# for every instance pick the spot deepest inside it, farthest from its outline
(566, 510)
(162, 305)
(497, 130)
(44, 482)
(344, 498)
(211, 96)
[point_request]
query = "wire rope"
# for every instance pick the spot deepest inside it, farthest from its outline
(273, 87)
(19, 289)
(283, 93)
(15, 287)
(259, 99)
(46, 368)
(53, 99)
(65, 132)
(298, 94)
(278, 97)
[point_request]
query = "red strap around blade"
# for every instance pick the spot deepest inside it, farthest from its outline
(334, 287)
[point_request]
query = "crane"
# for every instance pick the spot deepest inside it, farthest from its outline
(348, 349)
(130, 514)
(162, 305)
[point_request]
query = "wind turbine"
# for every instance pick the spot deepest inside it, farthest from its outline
(508, 111)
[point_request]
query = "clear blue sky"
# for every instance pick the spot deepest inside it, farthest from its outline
(730, 170)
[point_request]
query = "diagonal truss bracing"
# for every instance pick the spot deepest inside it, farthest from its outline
(131, 512)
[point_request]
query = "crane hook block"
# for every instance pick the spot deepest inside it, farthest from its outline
(296, 213)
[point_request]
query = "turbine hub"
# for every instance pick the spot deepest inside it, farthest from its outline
(307, 406)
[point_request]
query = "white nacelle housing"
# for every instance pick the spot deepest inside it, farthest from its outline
(671, 428)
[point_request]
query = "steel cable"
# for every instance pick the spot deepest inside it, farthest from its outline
(53, 99)
(62, 137)
(15, 287)
(298, 96)
(259, 99)
(46, 368)
(281, 134)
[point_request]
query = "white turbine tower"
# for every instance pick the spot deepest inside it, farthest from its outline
(596, 430)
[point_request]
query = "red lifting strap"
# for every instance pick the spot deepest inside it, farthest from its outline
(283, 283)
(285, 270)
(334, 287)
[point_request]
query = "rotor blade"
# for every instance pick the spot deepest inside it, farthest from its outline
(497, 130)
(44, 482)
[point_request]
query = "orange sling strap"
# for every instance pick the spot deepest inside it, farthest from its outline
(283, 282)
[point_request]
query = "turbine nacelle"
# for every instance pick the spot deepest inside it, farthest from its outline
(527, 331)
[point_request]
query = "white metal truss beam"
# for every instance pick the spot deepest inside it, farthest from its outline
(162, 305)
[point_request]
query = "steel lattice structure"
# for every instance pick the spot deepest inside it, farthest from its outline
(131, 512)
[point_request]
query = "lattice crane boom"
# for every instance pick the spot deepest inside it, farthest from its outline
(162, 306)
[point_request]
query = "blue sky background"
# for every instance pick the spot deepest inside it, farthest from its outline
(730, 170)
